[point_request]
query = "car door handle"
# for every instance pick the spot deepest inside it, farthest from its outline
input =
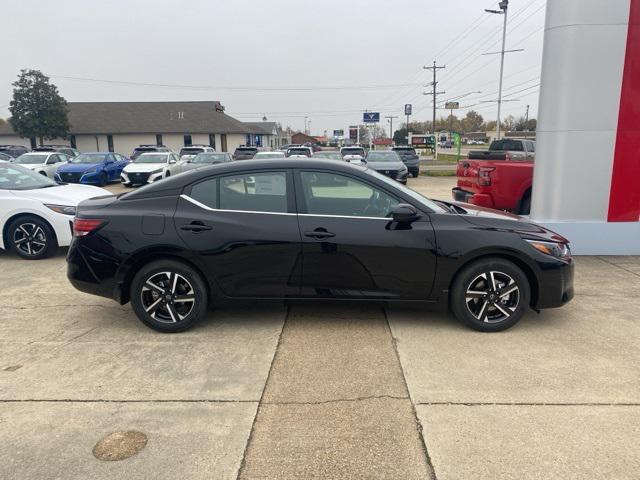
(196, 227)
(319, 234)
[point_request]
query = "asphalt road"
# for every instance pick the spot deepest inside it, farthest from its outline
(320, 390)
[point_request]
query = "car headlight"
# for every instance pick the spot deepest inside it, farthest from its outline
(159, 170)
(90, 171)
(554, 249)
(63, 209)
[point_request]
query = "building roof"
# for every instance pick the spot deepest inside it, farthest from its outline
(265, 128)
(148, 117)
(303, 138)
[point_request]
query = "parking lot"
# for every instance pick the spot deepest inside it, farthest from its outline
(320, 390)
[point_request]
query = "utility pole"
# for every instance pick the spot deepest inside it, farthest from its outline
(391, 117)
(305, 125)
(526, 119)
(435, 92)
(504, 5)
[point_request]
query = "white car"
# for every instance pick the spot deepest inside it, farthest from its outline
(268, 155)
(187, 153)
(36, 213)
(148, 168)
(353, 154)
(44, 163)
(200, 160)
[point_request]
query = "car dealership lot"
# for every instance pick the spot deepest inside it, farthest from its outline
(310, 390)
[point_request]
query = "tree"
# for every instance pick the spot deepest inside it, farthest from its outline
(472, 122)
(509, 123)
(37, 109)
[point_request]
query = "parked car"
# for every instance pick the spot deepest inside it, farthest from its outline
(5, 157)
(245, 153)
(36, 213)
(388, 162)
(148, 168)
(314, 146)
(500, 177)
(445, 144)
(66, 149)
(329, 155)
(310, 229)
(148, 149)
(410, 158)
(286, 147)
(266, 155)
(193, 150)
(97, 168)
(200, 160)
(13, 150)
(297, 152)
(353, 154)
(44, 163)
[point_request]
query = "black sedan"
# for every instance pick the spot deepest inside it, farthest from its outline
(310, 229)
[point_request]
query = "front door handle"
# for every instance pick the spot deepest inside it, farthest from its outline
(195, 227)
(319, 234)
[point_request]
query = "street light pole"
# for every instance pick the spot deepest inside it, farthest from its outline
(504, 6)
(391, 117)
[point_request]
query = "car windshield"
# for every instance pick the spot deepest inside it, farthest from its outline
(15, 177)
(89, 158)
(383, 157)
(329, 155)
(209, 158)
(412, 193)
(353, 151)
(152, 158)
(32, 158)
(191, 151)
(299, 151)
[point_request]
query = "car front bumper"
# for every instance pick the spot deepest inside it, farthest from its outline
(139, 178)
(555, 284)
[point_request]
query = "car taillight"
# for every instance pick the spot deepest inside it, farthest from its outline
(84, 226)
(484, 175)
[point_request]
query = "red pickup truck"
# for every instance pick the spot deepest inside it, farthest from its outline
(499, 178)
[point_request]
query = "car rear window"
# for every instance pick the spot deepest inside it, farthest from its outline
(405, 151)
(191, 151)
(353, 151)
(507, 145)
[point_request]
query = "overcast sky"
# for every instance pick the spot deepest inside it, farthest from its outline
(328, 60)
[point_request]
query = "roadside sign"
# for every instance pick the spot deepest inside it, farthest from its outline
(353, 134)
(452, 105)
(407, 109)
(371, 117)
(338, 133)
(423, 141)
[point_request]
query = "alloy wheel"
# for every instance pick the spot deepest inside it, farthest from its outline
(167, 297)
(30, 239)
(492, 297)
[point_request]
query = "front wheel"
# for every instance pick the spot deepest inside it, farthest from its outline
(31, 237)
(168, 296)
(102, 181)
(490, 295)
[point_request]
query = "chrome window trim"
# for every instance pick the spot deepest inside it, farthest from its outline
(208, 208)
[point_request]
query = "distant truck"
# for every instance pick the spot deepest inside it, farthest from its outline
(498, 178)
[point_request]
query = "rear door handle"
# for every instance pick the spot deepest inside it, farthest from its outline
(319, 234)
(195, 227)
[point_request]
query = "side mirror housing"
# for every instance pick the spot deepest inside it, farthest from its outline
(405, 213)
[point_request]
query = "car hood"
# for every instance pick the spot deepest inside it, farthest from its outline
(143, 167)
(505, 221)
(77, 167)
(31, 166)
(70, 194)
(385, 165)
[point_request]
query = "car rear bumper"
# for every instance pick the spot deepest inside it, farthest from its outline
(91, 273)
(479, 199)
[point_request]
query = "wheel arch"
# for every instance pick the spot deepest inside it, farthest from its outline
(15, 216)
(524, 266)
(146, 257)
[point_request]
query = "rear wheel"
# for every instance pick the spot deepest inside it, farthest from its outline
(31, 237)
(168, 296)
(490, 295)
(525, 205)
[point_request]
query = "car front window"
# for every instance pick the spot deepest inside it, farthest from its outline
(15, 177)
(32, 159)
(152, 158)
(382, 157)
(89, 158)
(429, 204)
(209, 158)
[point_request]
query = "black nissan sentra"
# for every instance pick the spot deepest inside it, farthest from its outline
(310, 229)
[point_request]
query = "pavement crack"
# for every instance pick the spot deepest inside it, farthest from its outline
(340, 400)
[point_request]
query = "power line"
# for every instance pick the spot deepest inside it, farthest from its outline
(435, 93)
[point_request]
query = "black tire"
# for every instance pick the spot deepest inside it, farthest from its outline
(162, 317)
(31, 238)
(103, 180)
(525, 205)
(488, 313)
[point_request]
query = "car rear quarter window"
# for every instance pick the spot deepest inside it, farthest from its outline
(206, 192)
(254, 192)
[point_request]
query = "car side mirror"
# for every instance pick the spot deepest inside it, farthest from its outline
(405, 213)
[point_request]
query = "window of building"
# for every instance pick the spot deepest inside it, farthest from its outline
(255, 192)
(110, 142)
(187, 141)
(212, 140)
(158, 139)
(72, 141)
(331, 194)
(206, 192)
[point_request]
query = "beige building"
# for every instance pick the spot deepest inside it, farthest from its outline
(122, 126)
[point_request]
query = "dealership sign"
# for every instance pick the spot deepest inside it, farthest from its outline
(371, 117)
(452, 105)
(353, 133)
(407, 109)
(422, 141)
(338, 133)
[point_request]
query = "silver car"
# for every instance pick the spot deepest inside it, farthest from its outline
(200, 160)
(44, 163)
